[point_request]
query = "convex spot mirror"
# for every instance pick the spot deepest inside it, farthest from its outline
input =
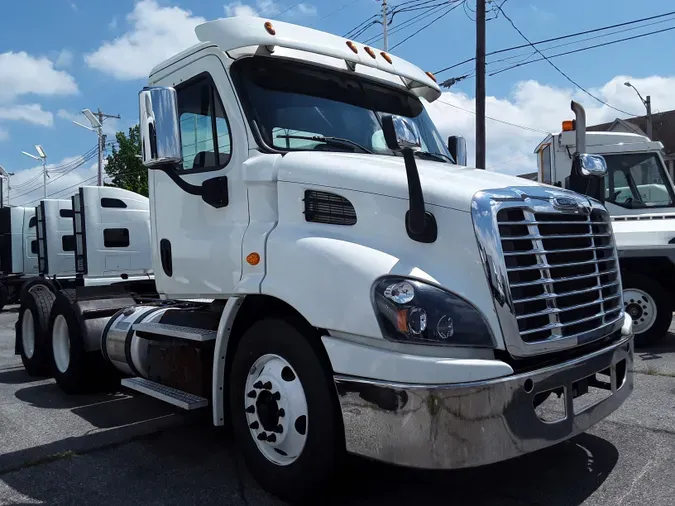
(400, 133)
(591, 165)
(160, 127)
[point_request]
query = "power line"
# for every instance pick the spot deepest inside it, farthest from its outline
(428, 24)
(562, 37)
(556, 67)
(429, 11)
(536, 130)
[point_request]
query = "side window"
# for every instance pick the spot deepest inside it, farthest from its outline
(116, 237)
(546, 164)
(32, 222)
(108, 202)
(34, 247)
(66, 213)
(204, 128)
(68, 242)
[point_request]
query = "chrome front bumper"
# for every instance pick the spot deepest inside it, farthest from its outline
(472, 424)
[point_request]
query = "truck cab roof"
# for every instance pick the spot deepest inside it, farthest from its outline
(604, 142)
(247, 36)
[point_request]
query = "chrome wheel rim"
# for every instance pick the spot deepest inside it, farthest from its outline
(61, 344)
(28, 333)
(276, 409)
(640, 306)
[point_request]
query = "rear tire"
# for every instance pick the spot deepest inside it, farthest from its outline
(76, 370)
(649, 305)
(291, 376)
(31, 329)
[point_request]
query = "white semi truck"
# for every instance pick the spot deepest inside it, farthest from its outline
(640, 199)
(99, 236)
(331, 281)
(18, 251)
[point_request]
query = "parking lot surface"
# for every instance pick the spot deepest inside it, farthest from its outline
(129, 449)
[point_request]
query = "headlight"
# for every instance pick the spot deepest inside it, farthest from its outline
(414, 312)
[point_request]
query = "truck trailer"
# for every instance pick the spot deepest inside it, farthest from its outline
(330, 280)
(640, 198)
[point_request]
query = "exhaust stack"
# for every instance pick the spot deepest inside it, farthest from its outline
(580, 127)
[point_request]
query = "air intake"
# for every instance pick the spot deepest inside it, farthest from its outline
(323, 207)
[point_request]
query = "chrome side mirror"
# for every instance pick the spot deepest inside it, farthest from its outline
(400, 133)
(591, 165)
(160, 127)
(457, 148)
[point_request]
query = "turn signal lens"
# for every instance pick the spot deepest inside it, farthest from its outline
(253, 258)
(270, 29)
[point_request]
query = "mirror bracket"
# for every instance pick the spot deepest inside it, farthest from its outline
(215, 192)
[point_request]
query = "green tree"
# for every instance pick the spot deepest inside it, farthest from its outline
(124, 165)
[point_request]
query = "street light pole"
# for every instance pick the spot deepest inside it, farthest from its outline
(96, 120)
(4, 175)
(42, 156)
(480, 84)
(648, 105)
(384, 25)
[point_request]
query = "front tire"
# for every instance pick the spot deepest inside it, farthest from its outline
(76, 370)
(649, 305)
(31, 329)
(285, 415)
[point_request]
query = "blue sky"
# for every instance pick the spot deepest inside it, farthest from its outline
(60, 56)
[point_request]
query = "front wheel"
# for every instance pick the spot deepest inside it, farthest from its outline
(649, 305)
(284, 412)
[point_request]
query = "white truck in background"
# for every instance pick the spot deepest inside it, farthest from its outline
(640, 199)
(331, 281)
(100, 236)
(18, 251)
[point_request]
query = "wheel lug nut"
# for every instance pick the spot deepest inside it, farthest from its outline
(281, 413)
(271, 438)
(250, 409)
(258, 385)
(267, 385)
(254, 425)
(276, 396)
(262, 437)
(279, 429)
(251, 394)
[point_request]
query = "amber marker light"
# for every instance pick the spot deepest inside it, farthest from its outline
(369, 51)
(352, 46)
(253, 258)
(386, 57)
(270, 29)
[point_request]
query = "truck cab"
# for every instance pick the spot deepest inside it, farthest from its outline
(639, 196)
(331, 280)
(18, 250)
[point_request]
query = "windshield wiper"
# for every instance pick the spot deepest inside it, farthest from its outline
(440, 157)
(336, 141)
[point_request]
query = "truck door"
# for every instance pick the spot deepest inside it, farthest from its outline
(198, 247)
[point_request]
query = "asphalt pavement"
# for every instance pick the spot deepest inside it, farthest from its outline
(129, 449)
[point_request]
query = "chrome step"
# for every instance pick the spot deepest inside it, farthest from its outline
(164, 393)
(164, 329)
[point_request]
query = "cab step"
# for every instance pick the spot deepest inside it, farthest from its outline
(164, 393)
(177, 331)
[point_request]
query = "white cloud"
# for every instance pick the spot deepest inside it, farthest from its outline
(64, 59)
(540, 107)
(4, 134)
(73, 6)
(27, 188)
(155, 34)
(21, 74)
(268, 8)
(30, 113)
(113, 23)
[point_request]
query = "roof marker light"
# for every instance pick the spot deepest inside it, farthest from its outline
(369, 51)
(431, 76)
(270, 29)
(352, 46)
(568, 125)
(386, 57)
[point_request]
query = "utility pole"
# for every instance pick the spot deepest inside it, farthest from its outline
(648, 106)
(384, 25)
(101, 143)
(480, 84)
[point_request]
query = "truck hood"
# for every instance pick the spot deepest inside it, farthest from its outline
(444, 184)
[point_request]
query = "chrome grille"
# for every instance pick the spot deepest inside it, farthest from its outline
(562, 271)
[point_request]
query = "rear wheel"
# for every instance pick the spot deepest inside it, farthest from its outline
(31, 329)
(76, 370)
(284, 412)
(649, 305)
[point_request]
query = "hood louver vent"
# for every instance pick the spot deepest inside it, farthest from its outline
(323, 207)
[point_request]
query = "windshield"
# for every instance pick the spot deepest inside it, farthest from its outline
(295, 105)
(637, 180)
